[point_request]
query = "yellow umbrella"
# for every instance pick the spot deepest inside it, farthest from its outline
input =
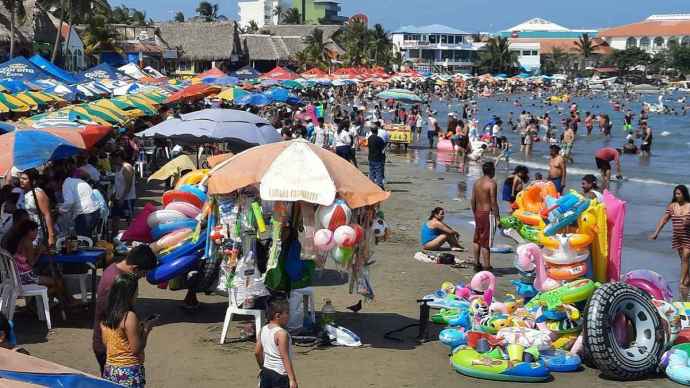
(173, 168)
(13, 103)
(4, 108)
(144, 100)
(28, 100)
(131, 113)
(83, 112)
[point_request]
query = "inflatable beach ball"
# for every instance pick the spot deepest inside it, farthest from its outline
(345, 236)
(342, 255)
(323, 240)
(335, 215)
(379, 226)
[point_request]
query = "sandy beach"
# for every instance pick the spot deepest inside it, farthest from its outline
(184, 350)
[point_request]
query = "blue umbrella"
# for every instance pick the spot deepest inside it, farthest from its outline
(13, 86)
(269, 82)
(31, 148)
(6, 127)
(224, 80)
(256, 99)
(278, 94)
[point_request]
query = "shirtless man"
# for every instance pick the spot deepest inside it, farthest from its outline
(568, 142)
(589, 123)
(603, 158)
(486, 216)
(646, 145)
(557, 169)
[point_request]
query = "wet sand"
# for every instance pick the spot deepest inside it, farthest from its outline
(184, 350)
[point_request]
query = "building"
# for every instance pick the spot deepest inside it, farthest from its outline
(262, 12)
(72, 46)
(199, 46)
(35, 34)
(656, 33)
(278, 45)
(537, 37)
(436, 46)
(137, 44)
(319, 11)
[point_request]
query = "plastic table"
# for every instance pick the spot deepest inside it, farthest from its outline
(89, 257)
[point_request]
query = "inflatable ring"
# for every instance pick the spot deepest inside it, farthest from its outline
(567, 218)
(172, 269)
(192, 178)
(650, 282)
(469, 362)
(186, 248)
(194, 190)
(441, 300)
(529, 218)
(635, 358)
(526, 337)
(181, 196)
(185, 208)
(164, 217)
(171, 239)
(576, 241)
(560, 361)
(567, 272)
(161, 230)
(452, 337)
(678, 368)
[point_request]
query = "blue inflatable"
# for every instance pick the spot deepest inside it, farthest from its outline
(161, 230)
(185, 249)
(567, 218)
(560, 361)
(452, 338)
(171, 269)
(194, 190)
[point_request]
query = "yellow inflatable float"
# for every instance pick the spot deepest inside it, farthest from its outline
(593, 222)
(192, 178)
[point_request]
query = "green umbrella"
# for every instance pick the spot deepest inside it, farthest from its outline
(123, 102)
(401, 95)
(290, 84)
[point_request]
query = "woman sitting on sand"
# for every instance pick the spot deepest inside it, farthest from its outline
(435, 233)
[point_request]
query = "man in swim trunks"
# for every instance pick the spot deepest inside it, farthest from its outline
(567, 143)
(486, 216)
(647, 136)
(557, 169)
(603, 158)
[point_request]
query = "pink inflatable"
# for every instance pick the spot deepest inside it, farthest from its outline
(171, 239)
(485, 283)
(650, 282)
(531, 253)
(615, 214)
(444, 145)
(185, 208)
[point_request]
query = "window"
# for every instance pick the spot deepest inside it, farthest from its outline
(526, 52)
(458, 39)
(535, 52)
(462, 56)
(446, 54)
(658, 42)
(433, 39)
(672, 42)
(644, 43)
(444, 38)
(413, 54)
(184, 66)
(630, 43)
(429, 54)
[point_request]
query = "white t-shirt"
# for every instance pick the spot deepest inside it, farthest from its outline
(77, 197)
(320, 137)
(343, 138)
(431, 124)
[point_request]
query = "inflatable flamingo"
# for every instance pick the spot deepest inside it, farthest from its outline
(484, 282)
(532, 253)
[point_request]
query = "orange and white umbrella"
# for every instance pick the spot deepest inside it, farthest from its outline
(295, 171)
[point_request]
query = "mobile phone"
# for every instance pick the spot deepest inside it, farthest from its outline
(152, 317)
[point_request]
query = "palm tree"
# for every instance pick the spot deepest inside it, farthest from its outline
(179, 17)
(379, 43)
(86, 7)
(559, 59)
(301, 60)
(586, 47)
(252, 27)
(496, 57)
(279, 11)
(99, 37)
(17, 12)
(292, 16)
(316, 48)
(208, 11)
(354, 38)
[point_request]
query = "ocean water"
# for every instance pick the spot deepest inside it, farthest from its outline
(647, 187)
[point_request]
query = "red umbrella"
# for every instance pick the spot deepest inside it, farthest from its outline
(314, 73)
(280, 74)
(92, 134)
(191, 93)
(213, 72)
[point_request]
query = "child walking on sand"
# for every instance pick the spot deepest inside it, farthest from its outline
(273, 352)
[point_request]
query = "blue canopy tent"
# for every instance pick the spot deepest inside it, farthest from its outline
(58, 73)
(246, 72)
(101, 71)
(20, 69)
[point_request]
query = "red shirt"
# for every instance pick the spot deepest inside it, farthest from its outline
(109, 276)
(607, 153)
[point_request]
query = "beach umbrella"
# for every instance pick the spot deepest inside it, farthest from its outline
(255, 99)
(291, 84)
(230, 94)
(241, 129)
(218, 159)
(314, 73)
(6, 127)
(280, 74)
(28, 100)
(173, 168)
(278, 94)
(295, 171)
(212, 72)
(31, 148)
(92, 134)
(125, 102)
(401, 95)
(224, 80)
(13, 103)
(192, 93)
(13, 86)
(270, 82)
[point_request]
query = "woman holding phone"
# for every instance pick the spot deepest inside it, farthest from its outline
(124, 335)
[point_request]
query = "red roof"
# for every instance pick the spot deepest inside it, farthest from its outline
(650, 28)
(546, 46)
(280, 74)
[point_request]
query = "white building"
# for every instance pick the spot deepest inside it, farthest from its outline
(262, 12)
(427, 47)
(72, 45)
(656, 33)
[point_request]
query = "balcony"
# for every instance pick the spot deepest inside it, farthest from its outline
(420, 44)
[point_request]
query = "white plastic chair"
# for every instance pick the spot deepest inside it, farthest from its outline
(233, 309)
(9, 271)
(82, 278)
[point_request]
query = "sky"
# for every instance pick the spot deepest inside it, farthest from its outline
(468, 15)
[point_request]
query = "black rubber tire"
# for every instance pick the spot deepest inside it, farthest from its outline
(586, 355)
(606, 353)
(209, 270)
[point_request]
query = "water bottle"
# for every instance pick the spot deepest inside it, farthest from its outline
(327, 313)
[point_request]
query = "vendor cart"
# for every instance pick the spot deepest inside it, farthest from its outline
(399, 134)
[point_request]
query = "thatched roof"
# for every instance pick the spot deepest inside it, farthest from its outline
(35, 27)
(301, 30)
(200, 41)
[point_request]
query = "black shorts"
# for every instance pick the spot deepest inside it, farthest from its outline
(602, 164)
(645, 147)
(271, 379)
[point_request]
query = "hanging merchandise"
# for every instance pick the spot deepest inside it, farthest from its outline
(306, 231)
(335, 215)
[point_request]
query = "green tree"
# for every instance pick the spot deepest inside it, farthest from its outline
(252, 28)
(680, 58)
(380, 46)
(317, 53)
(99, 37)
(179, 17)
(17, 13)
(279, 12)
(496, 57)
(292, 16)
(626, 59)
(586, 48)
(354, 38)
(208, 11)
(130, 16)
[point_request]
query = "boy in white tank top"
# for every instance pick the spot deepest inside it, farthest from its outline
(273, 349)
